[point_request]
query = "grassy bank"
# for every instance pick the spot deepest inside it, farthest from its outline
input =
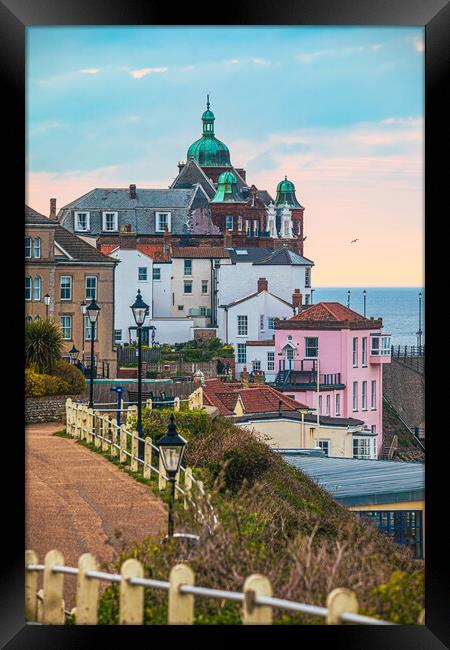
(276, 521)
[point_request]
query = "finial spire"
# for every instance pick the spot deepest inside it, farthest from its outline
(207, 102)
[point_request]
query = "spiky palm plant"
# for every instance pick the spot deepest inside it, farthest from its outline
(43, 345)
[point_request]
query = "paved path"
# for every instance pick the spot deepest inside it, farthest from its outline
(78, 502)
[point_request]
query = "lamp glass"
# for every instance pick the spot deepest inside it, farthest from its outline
(47, 299)
(83, 308)
(93, 311)
(139, 309)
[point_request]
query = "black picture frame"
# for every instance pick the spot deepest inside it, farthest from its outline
(434, 15)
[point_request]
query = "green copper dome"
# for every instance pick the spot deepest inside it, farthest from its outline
(227, 189)
(286, 193)
(208, 151)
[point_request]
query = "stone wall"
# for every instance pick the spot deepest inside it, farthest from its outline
(47, 409)
(404, 387)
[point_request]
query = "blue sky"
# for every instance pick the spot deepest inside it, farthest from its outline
(109, 106)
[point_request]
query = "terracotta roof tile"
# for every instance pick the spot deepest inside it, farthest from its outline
(258, 398)
(329, 311)
(155, 251)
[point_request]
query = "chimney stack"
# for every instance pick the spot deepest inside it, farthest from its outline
(227, 240)
(245, 377)
(263, 285)
(52, 209)
(297, 300)
(132, 191)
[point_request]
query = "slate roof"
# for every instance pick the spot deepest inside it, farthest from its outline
(200, 252)
(284, 256)
(250, 254)
(356, 482)
(119, 198)
(191, 174)
(259, 398)
(253, 295)
(33, 217)
(78, 249)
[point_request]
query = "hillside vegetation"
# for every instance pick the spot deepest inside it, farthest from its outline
(273, 520)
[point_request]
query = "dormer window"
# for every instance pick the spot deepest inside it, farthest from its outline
(162, 219)
(110, 222)
(82, 220)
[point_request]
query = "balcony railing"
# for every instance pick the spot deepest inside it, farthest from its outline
(200, 311)
(306, 378)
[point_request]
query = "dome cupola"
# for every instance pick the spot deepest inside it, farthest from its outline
(227, 189)
(208, 151)
(286, 194)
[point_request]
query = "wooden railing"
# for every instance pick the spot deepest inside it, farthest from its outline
(46, 605)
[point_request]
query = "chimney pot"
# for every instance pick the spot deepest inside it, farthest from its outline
(132, 191)
(297, 299)
(52, 209)
(263, 285)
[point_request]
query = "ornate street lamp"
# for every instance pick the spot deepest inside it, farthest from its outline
(171, 448)
(348, 298)
(93, 311)
(419, 331)
(47, 302)
(83, 308)
(73, 354)
(140, 310)
(364, 296)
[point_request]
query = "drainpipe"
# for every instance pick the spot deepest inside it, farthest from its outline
(318, 388)
(280, 403)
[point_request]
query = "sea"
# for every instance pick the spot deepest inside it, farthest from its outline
(397, 306)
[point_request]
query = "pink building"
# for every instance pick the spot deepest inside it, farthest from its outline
(347, 351)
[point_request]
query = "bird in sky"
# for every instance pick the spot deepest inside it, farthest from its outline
(353, 241)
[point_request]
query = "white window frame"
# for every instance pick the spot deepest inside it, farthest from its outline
(104, 221)
(65, 327)
(187, 270)
(256, 364)
(308, 277)
(255, 227)
(328, 405)
(364, 396)
(364, 352)
(261, 323)
(61, 288)
(239, 222)
(158, 216)
(37, 240)
(157, 270)
(205, 288)
(242, 325)
(325, 443)
(355, 351)
(320, 404)
(241, 353)
(229, 220)
(142, 268)
(29, 288)
(185, 283)
(307, 338)
(271, 322)
(37, 284)
(338, 404)
(117, 336)
(87, 329)
(373, 395)
(77, 221)
(355, 396)
(28, 247)
(90, 277)
(271, 361)
(364, 448)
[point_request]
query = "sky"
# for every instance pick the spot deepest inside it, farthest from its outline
(339, 110)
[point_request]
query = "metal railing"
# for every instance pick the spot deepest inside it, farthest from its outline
(407, 351)
(47, 606)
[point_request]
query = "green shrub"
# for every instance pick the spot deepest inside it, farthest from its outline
(71, 374)
(39, 385)
(43, 345)
(400, 600)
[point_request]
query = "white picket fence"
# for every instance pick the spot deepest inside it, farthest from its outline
(47, 605)
(103, 432)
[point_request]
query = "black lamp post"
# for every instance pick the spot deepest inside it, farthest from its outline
(348, 298)
(364, 296)
(47, 302)
(419, 331)
(140, 310)
(83, 308)
(73, 354)
(93, 311)
(171, 447)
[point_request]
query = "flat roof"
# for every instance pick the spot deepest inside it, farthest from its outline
(355, 482)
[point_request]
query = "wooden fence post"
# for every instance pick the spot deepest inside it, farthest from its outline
(340, 600)
(149, 404)
(161, 475)
(105, 433)
(131, 596)
(421, 619)
(254, 586)
(98, 428)
(68, 415)
(181, 606)
(147, 457)
(53, 606)
(87, 591)
(134, 451)
(123, 444)
(113, 437)
(77, 421)
(187, 486)
(31, 581)
(83, 435)
(176, 404)
(39, 605)
(90, 426)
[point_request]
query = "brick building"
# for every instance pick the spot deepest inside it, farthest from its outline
(68, 270)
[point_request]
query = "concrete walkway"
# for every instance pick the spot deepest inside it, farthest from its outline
(79, 502)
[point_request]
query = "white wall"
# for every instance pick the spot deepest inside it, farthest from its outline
(239, 280)
(172, 330)
(162, 291)
(126, 285)
(259, 353)
(263, 304)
